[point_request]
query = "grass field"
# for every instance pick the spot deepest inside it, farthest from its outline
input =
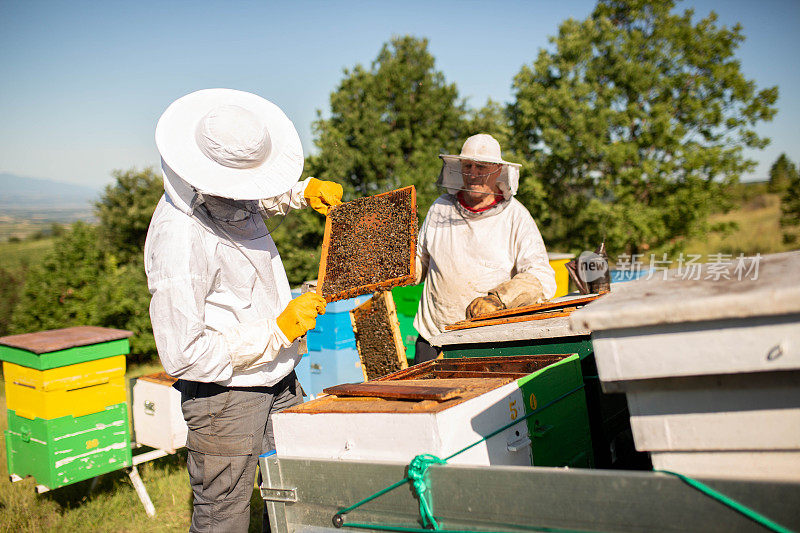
(758, 231)
(112, 505)
(17, 255)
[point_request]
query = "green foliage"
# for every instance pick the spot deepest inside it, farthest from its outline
(388, 124)
(298, 239)
(61, 290)
(123, 301)
(15, 259)
(9, 294)
(492, 119)
(790, 200)
(125, 210)
(635, 124)
(94, 275)
(781, 174)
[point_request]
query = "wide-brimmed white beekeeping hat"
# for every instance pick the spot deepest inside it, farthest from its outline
(230, 143)
(483, 148)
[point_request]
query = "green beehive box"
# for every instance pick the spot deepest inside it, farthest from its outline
(54, 348)
(66, 450)
(408, 334)
(559, 432)
(406, 299)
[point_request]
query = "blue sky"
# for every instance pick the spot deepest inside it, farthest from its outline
(82, 84)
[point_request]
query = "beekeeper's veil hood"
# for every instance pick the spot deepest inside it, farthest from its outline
(483, 148)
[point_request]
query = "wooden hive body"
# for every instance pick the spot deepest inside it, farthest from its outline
(67, 414)
(710, 367)
(68, 449)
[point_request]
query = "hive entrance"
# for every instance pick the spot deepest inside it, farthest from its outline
(369, 244)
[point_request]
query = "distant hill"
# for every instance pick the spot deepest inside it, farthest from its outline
(17, 192)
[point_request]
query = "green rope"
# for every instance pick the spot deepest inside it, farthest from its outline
(730, 502)
(372, 497)
(388, 527)
(417, 470)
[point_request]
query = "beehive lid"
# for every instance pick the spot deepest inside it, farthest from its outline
(60, 347)
(762, 286)
(430, 387)
(369, 245)
(378, 340)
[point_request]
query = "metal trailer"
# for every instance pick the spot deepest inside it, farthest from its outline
(622, 494)
(304, 495)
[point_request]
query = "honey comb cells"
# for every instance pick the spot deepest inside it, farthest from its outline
(378, 336)
(369, 244)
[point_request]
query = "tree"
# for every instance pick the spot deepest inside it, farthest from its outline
(125, 210)
(492, 119)
(635, 124)
(790, 200)
(389, 123)
(299, 239)
(78, 283)
(9, 294)
(123, 301)
(386, 128)
(781, 174)
(61, 290)
(94, 275)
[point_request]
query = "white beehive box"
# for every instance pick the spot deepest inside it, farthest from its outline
(157, 417)
(384, 428)
(710, 366)
(401, 436)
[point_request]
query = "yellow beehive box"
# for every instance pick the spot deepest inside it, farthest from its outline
(559, 262)
(74, 390)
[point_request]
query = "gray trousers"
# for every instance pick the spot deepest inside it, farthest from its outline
(228, 429)
(423, 351)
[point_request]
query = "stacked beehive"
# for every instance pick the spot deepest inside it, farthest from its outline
(65, 393)
(710, 364)
(442, 406)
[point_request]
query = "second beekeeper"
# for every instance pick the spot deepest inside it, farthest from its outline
(479, 250)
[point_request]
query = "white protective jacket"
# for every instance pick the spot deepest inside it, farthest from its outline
(213, 315)
(463, 255)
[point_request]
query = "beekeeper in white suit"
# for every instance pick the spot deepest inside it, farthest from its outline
(479, 250)
(223, 318)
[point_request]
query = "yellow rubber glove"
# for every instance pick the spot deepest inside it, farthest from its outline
(483, 305)
(322, 195)
(301, 315)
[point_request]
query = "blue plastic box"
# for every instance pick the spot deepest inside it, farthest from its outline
(333, 367)
(332, 357)
(620, 276)
(303, 371)
(333, 330)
